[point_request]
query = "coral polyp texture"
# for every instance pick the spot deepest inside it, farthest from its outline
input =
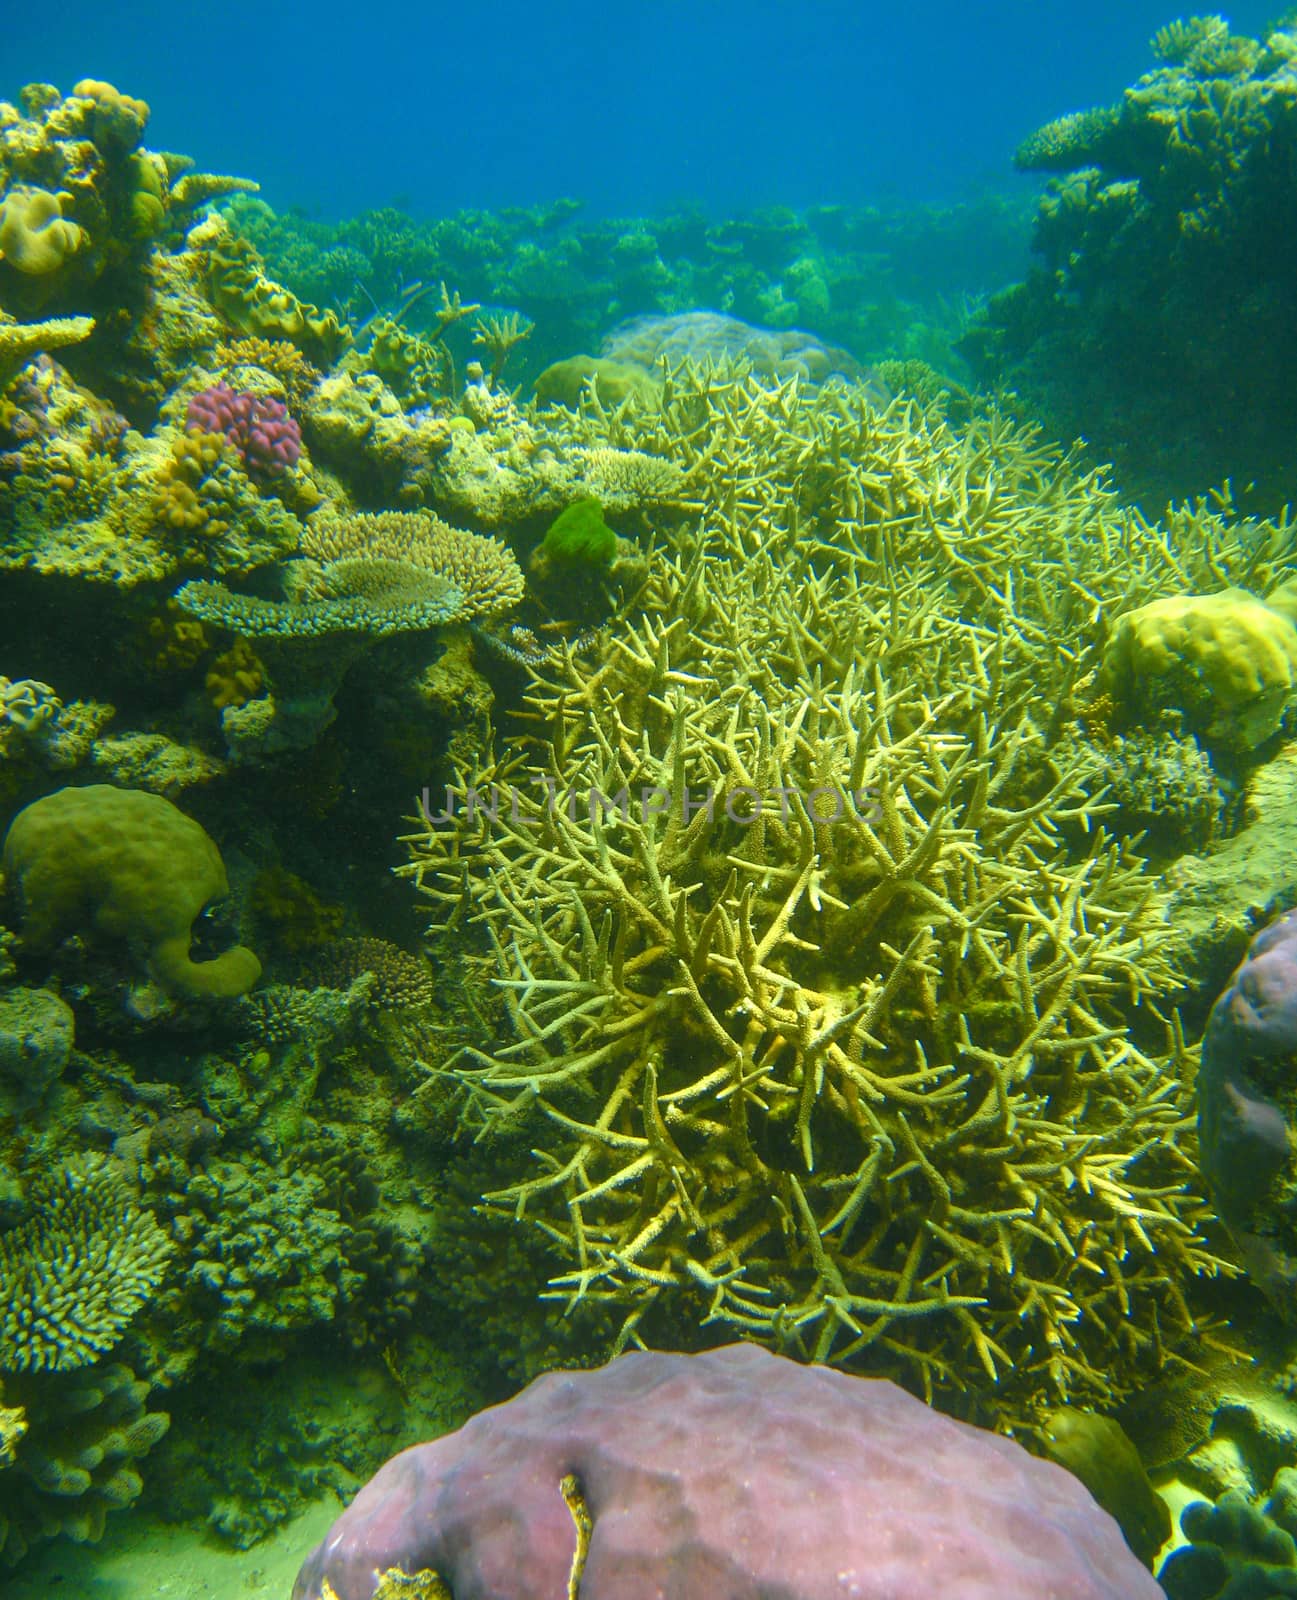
(732, 1473)
(836, 1018)
(128, 866)
(266, 439)
(74, 1274)
(1247, 1094)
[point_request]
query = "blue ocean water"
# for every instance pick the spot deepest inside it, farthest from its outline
(629, 106)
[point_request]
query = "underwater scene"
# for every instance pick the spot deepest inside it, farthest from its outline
(648, 803)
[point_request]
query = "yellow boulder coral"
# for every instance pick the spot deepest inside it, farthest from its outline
(1227, 661)
(118, 119)
(130, 866)
(35, 237)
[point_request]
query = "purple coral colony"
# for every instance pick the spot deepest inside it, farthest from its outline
(646, 951)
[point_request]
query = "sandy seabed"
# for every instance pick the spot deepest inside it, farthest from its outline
(142, 1560)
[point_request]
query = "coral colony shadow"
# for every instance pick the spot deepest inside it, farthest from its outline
(625, 878)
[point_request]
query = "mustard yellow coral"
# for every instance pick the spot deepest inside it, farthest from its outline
(1227, 662)
(178, 500)
(35, 237)
(20, 341)
(118, 119)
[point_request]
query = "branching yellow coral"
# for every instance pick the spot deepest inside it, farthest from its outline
(276, 356)
(835, 1017)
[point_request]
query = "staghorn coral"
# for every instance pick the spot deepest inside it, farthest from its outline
(483, 569)
(74, 1274)
(884, 1078)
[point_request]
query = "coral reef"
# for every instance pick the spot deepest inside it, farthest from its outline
(1156, 321)
(820, 969)
(732, 1472)
(131, 867)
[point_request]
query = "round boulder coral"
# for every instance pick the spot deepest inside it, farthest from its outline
(733, 1475)
(129, 865)
(1227, 662)
(1247, 1110)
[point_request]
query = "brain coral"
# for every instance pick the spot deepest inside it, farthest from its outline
(129, 865)
(733, 1475)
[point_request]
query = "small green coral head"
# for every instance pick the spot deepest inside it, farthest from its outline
(130, 866)
(578, 540)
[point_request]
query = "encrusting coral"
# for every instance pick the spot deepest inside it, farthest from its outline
(821, 1030)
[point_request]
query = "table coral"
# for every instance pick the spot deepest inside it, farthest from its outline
(1247, 1109)
(127, 865)
(20, 341)
(482, 568)
(734, 1473)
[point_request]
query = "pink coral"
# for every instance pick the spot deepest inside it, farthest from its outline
(267, 438)
(733, 1475)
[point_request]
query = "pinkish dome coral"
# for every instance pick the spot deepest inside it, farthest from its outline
(734, 1474)
(267, 439)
